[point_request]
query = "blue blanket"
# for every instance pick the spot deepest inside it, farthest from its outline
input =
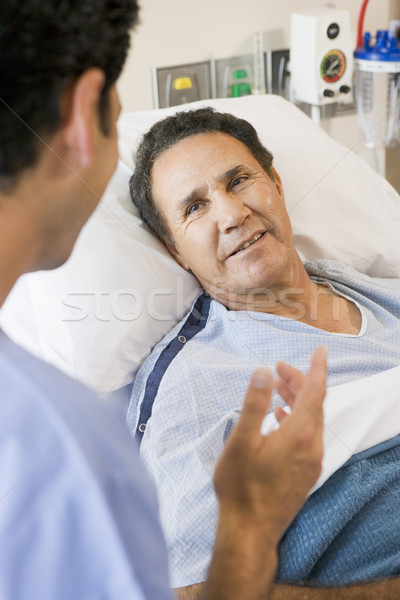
(349, 529)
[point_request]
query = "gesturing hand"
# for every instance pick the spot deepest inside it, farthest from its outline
(264, 480)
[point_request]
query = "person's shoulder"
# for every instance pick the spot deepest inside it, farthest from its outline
(41, 407)
(24, 374)
(197, 317)
(199, 324)
(339, 272)
(69, 454)
(37, 394)
(333, 269)
(14, 356)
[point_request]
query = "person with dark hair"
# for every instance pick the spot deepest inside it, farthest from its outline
(46, 47)
(207, 187)
(78, 516)
(166, 133)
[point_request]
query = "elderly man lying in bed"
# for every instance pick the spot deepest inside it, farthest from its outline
(206, 186)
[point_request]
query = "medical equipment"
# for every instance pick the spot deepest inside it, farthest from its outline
(181, 84)
(239, 83)
(377, 84)
(321, 60)
(259, 86)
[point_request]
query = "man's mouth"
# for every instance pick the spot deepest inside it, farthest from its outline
(249, 243)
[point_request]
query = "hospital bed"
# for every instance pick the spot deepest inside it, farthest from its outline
(99, 315)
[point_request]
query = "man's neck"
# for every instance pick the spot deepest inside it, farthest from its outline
(282, 297)
(300, 299)
(18, 248)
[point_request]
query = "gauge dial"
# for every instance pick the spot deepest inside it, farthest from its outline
(333, 66)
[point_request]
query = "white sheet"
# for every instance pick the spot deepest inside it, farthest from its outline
(357, 416)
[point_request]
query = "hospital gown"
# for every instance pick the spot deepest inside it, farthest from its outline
(188, 395)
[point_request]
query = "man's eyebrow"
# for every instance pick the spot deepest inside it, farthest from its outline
(194, 195)
(231, 173)
(200, 192)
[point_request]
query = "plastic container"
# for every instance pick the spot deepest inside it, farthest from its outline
(377, 87)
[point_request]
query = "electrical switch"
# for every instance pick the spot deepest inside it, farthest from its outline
(182, 83)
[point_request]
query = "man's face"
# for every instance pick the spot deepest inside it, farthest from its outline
(227, 217)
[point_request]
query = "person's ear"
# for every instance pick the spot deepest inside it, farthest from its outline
(82, 122)
(278, 182)
(172, 249)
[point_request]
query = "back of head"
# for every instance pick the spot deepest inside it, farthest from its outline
(168, 132)
(44, 46)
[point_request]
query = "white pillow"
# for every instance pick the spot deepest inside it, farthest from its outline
(98, 316)
(339, 207)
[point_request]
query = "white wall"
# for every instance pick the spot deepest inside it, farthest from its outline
(179, 31)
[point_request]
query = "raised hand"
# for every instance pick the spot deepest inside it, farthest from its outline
(269, 476)
(262, 481)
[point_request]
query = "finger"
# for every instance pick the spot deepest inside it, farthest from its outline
(281, 413)
(315, 382)
(312, 394)
(289, 382)
(255, 406)
(318, 370)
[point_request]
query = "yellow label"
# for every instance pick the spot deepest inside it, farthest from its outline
(182, 83)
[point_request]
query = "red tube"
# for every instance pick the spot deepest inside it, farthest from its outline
(361, 23)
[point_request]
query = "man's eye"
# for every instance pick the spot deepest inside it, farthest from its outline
(193, 208)
(238, 180)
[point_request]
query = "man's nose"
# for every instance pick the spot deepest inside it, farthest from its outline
(230, 211)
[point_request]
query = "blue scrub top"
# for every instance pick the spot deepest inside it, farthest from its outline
(78, 516)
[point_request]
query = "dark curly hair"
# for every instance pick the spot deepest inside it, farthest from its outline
(44, 46)
(167, 133)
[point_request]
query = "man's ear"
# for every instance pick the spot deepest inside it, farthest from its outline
(172, 249)
(278, 182)
(82, 116)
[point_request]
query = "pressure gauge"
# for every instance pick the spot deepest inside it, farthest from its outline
(333, 66)
(320, 73)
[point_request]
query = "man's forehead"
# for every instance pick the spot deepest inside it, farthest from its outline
(192, 142)
(186, 170)
(200, 154)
